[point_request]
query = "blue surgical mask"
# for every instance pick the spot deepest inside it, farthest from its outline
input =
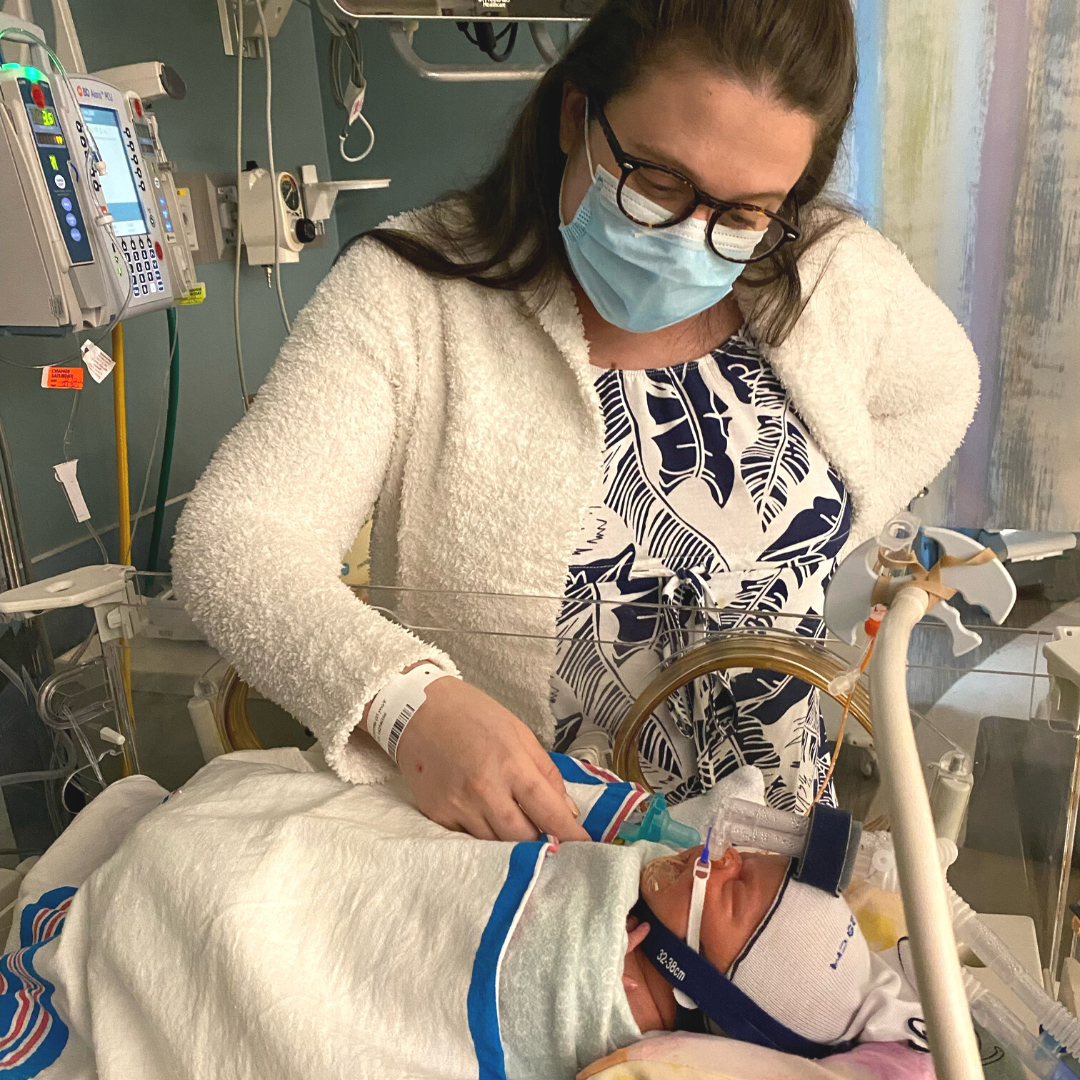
(643, 279)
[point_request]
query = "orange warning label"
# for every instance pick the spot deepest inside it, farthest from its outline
(62, 378)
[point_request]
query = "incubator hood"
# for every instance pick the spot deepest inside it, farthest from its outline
(995, 705)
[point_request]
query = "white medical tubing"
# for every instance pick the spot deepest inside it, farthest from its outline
(275, 187)
(922, 883)
(239, 197)
(1010, 1030)
(994, 953)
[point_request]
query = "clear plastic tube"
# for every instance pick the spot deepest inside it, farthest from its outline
(876, 863)
(745, 824)
(1039, 1054)
(1053, 1017)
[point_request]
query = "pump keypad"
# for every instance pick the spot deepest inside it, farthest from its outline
(143, 264)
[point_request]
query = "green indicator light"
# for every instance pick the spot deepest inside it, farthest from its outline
(34, 75)
(9, 67)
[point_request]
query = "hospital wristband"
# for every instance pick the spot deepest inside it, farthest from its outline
(396, 704)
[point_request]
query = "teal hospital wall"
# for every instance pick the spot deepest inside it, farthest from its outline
(199, 135)
(430, 137)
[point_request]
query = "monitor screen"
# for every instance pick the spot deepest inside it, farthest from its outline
(118, 183)
(47, 131)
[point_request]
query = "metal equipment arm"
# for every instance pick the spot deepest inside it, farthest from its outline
(401, 34)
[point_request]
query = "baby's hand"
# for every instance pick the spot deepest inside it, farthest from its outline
(636, 932)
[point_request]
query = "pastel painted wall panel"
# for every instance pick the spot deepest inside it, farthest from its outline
(1035, 464)
(978, 162)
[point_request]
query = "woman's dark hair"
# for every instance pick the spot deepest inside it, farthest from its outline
(503, 232)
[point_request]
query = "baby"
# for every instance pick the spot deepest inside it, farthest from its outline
(794, 951)
(271, 920)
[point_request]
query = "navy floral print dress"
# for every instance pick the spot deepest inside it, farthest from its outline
(718, 512)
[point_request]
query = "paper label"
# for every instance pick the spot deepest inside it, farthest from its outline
(396, 703)
(357, 107)
(98, 362)
(195, 295)
(62, 378)
(65, 473)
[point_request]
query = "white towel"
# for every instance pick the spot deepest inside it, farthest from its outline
(269, 920)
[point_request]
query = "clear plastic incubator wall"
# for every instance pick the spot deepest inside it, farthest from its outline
(996, 731)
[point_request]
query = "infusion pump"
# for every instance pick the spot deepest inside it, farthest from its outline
(131, 191)
(90, 218)
(60, 268)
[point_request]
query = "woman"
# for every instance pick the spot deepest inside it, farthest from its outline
(642, 359)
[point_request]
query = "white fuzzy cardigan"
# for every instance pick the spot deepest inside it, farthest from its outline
(476, 434)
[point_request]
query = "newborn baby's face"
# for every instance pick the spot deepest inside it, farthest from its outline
(741, 889)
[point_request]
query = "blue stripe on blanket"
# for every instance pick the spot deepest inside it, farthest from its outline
(605, 810)
(572, 771)
(482, 1000)
(32, 1035)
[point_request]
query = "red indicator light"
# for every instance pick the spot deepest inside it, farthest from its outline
(157, 250)
(38, 96)
(138, 106)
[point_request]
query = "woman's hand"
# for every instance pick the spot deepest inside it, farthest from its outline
(473, 765)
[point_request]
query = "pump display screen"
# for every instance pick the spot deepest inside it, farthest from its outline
(46, 127)
(118, 184)
(146, 140)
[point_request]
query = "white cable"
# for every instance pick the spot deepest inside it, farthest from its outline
(275, 194)
(345, 134)
(239, 187)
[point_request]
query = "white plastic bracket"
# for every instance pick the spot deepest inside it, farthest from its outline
(320, 195)
(401, 35)
(848, 599)
(108, 590)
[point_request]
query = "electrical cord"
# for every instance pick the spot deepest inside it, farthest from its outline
(275, 193)
(344, 39)
(163, 408)
(169, 444)
(351, 158)
(345, 42)
(239, 189)
(7, 467)
(486, 39)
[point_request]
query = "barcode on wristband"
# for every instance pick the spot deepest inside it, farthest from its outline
(397, 729)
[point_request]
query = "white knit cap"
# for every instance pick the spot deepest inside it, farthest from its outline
(809, 967)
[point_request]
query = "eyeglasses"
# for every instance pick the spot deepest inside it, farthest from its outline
(678, 197)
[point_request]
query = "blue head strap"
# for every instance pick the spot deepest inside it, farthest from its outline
(718, 997)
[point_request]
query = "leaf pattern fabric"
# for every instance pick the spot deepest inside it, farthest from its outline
(718, 512)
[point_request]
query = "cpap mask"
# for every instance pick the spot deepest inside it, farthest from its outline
(823, 848)
(827, 849)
